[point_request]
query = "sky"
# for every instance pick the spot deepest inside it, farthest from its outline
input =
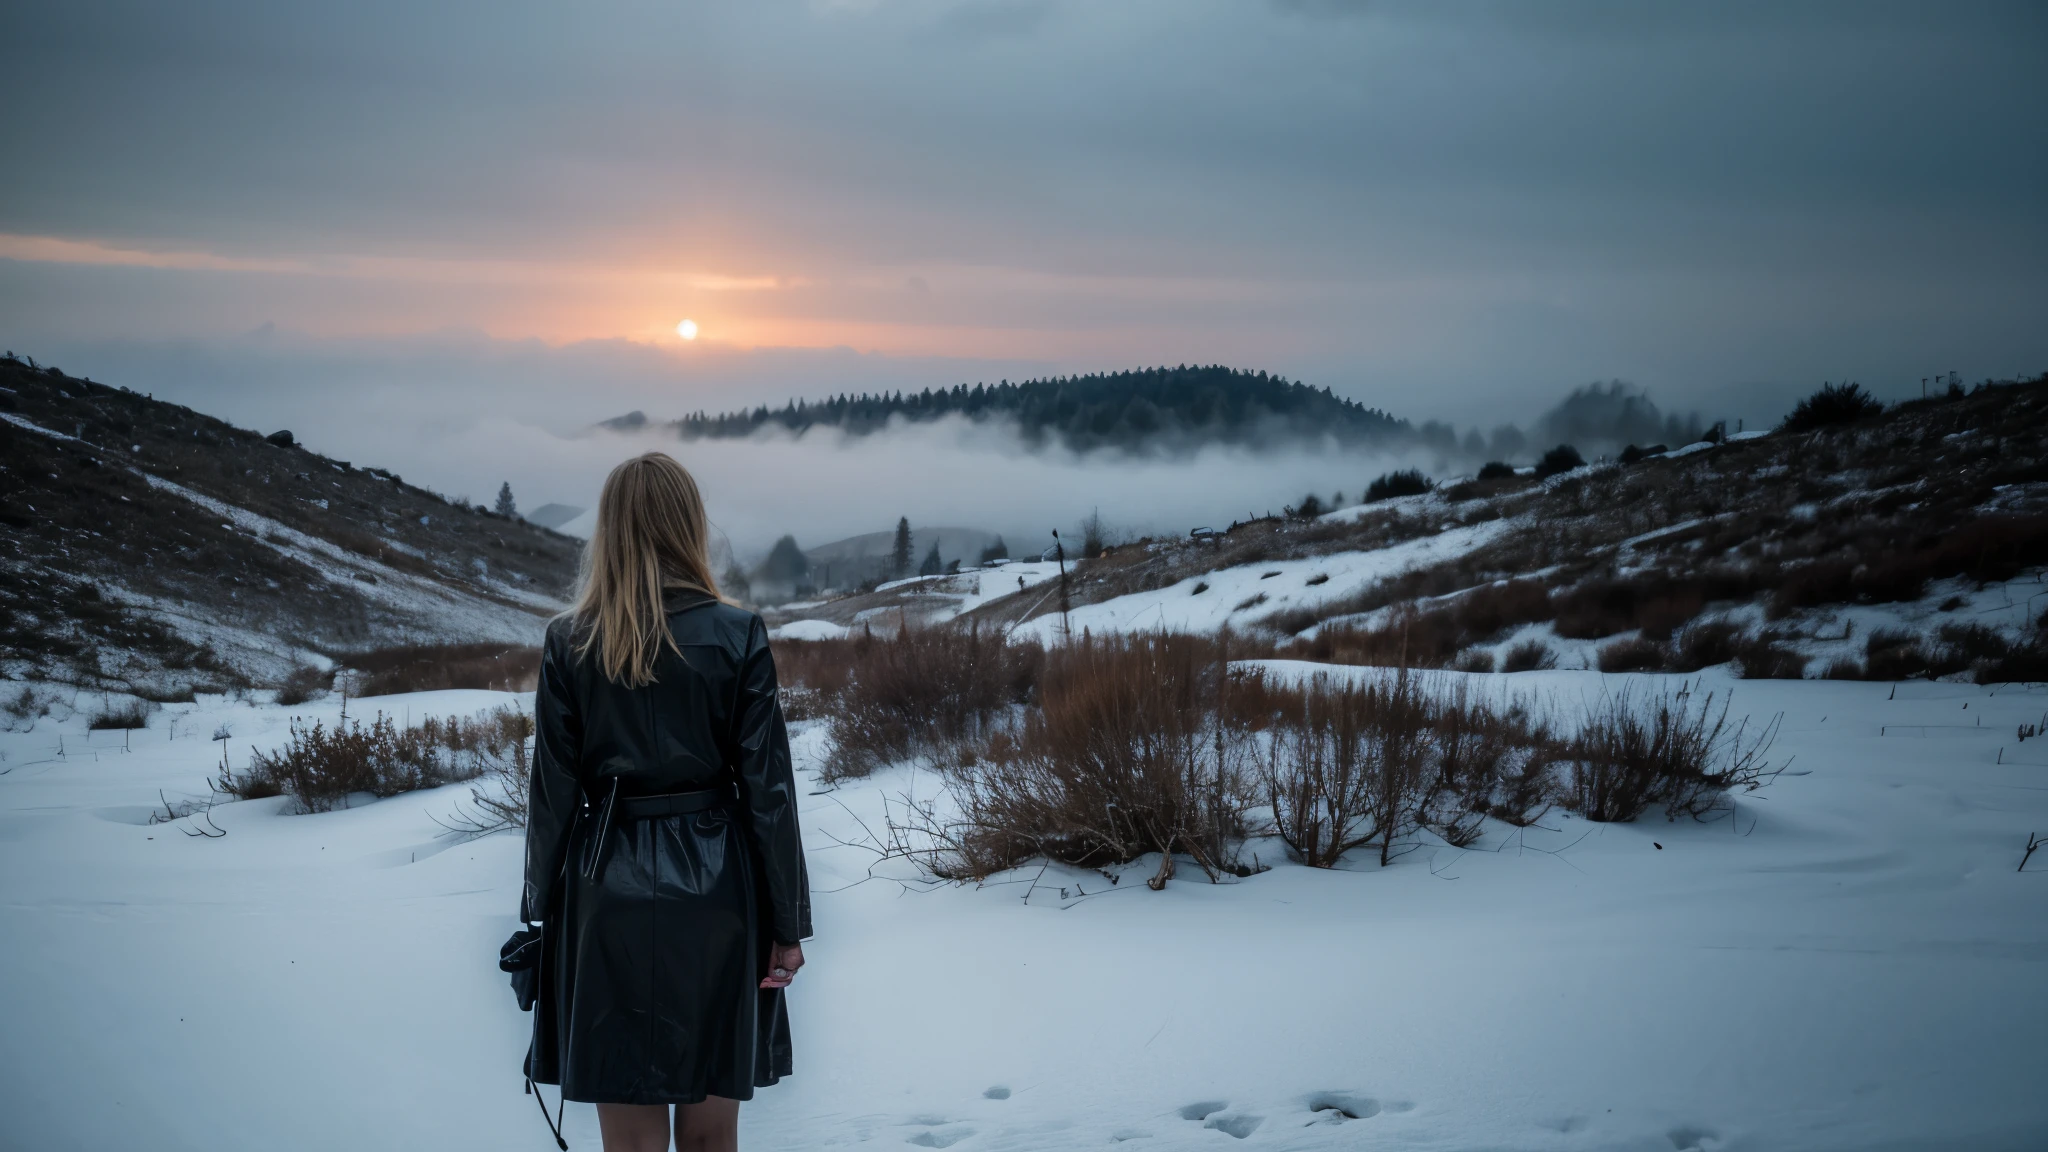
(401, 227)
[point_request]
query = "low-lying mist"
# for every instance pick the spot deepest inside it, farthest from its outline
(825, 486)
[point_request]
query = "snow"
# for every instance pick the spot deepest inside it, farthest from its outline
(1283, 584)
(31, 426)
(1851, 962)
(454, 612)
(809, 630)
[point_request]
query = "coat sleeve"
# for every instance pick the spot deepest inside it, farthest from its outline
(768, 790)
(551, 794)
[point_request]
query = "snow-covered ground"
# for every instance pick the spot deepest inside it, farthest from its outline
(1242, 594)
(1852, 962)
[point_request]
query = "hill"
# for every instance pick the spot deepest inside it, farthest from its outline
(1153, 409)
(1888, 543)
(147, 545)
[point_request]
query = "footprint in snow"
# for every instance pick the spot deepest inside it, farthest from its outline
(940, 1137)
(1337, 1107)
(998, 1092)
(1212, 1115)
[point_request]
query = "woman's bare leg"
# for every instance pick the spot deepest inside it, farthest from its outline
(710, 1126)
(633, 1127)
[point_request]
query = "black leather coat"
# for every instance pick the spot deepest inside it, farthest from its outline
(658, 928)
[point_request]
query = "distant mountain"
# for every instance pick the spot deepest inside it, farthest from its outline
(553, 515)
(151, 546)
(1153, 409)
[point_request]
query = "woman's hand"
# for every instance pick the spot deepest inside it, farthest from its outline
(783, 962)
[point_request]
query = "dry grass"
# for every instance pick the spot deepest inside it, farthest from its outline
(120, 714)
(1126, 754)
(1670, 748)
(1348, 763)
(322, 767)
(435, 667)
(302, 685)
(920, 690)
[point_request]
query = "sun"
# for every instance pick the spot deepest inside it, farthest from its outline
(687, 329)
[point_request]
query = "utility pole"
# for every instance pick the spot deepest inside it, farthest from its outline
(1066, 604)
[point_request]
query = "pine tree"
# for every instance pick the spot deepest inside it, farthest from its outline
(932, 565)
(899, 556)
(995, 551)
(505, 505)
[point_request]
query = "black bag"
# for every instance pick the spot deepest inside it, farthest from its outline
(521, 957)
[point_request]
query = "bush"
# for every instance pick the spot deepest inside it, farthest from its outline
(921, 690)
(1763, 658)
(1123, 757)
(1528, 656)
(1311, 506)
(26, 707)
(1704, 644)
(1633, 454)
(436, 667)
(302, 685)
(322, 767)
(1475, 660)
(1408, 482)
(1668, 749)
(1833, 405)
(122, 714)
(1496, 470)
(1634, 655)
(1560, 459)
(1347, 767)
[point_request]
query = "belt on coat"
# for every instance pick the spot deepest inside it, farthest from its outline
(617, 807)
(675, 803)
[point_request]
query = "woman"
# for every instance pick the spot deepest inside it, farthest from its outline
(662, 854)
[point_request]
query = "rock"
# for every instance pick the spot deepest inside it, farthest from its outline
(282, 438)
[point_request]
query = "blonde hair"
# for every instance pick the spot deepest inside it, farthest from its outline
(651, 534)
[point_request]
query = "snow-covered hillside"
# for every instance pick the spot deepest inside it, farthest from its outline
(1852, 961)
(153, 547)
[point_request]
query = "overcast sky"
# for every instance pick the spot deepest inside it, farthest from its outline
(307, 213)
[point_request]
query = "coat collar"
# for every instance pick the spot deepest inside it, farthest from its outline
(683, 599)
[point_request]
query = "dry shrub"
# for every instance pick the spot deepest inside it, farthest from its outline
(1124, 756)
(1346, 767)
(2024, 661)
(1528, 656)
(922, 689)
(26, 707)
(1407, 639)
(302, 684)
(120, 714)
(1637, 654)
(1670, 748)
(321, 767)
(434, 667)
(1653, 605)
(811, 675)
(1905, 551)
(1475, 660)
(1762, 657)
(1705, 644)
(1832, 405)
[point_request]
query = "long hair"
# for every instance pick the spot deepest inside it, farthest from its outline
(651, 534)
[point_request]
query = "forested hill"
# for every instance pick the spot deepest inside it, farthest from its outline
(1145, 410)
